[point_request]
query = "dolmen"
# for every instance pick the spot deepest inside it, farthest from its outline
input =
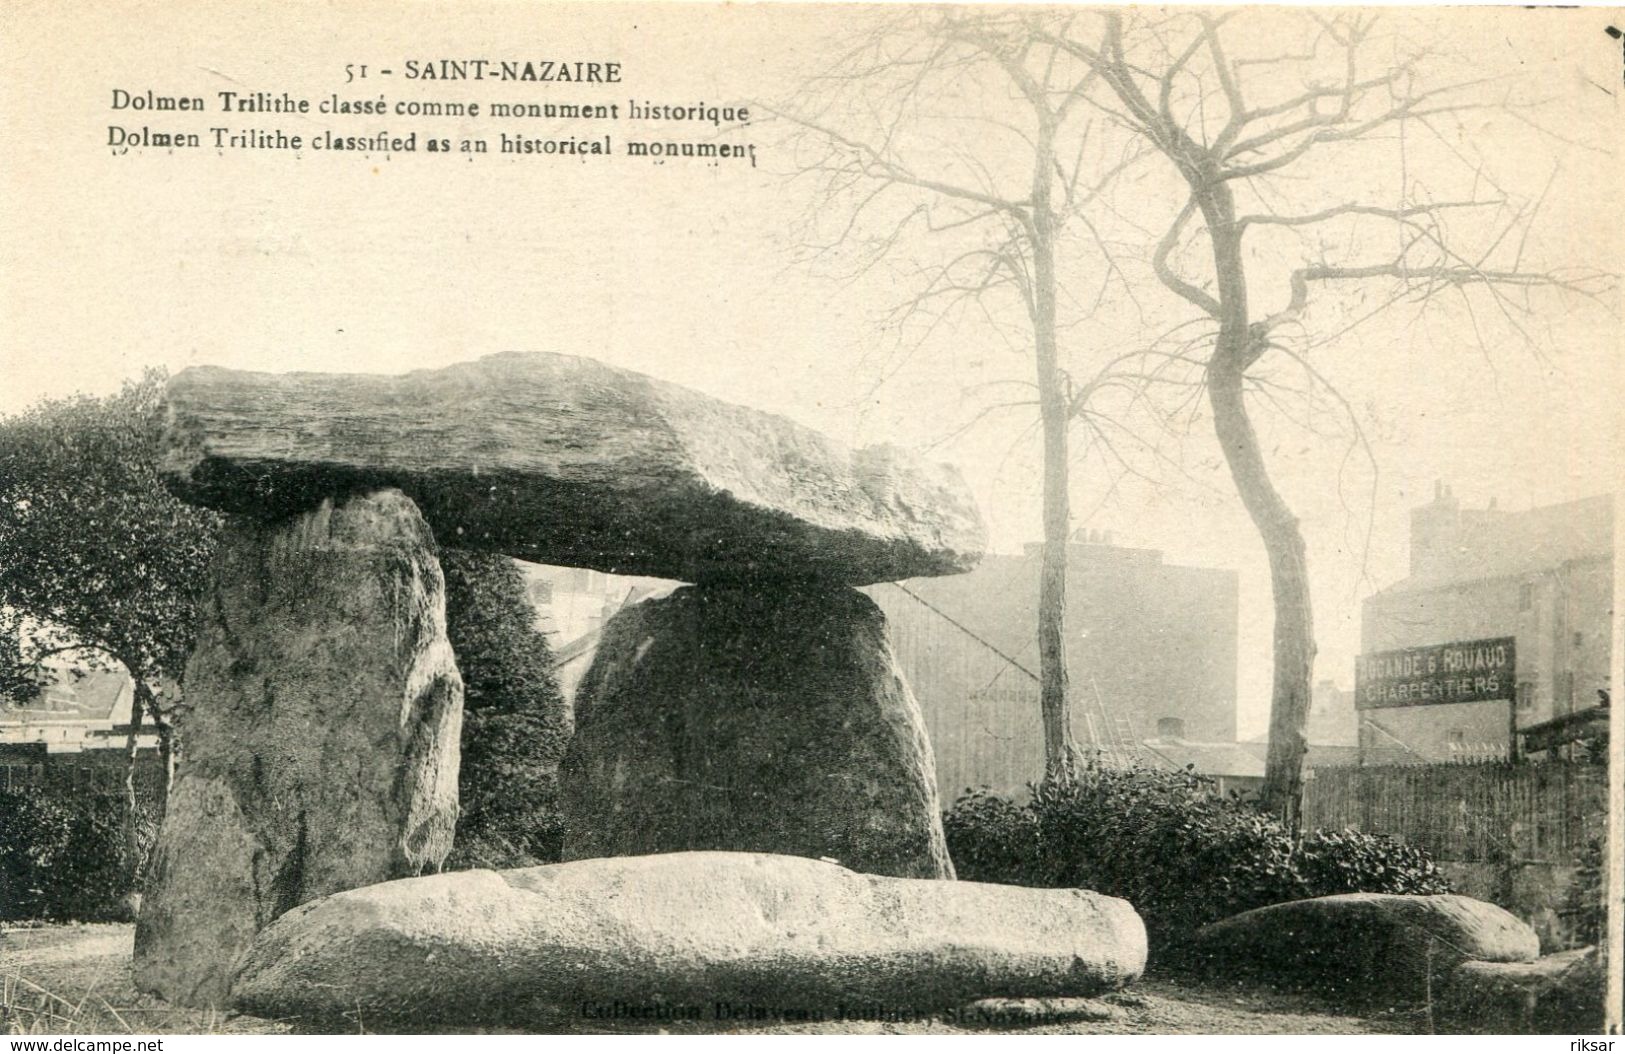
(1377, 946)
(758, 708)
(685, 936)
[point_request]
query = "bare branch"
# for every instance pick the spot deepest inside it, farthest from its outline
(873, 165)
(1165, 272)
(1358, 210)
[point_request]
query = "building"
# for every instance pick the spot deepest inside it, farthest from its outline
(1332, 720)
(72, 735)
(1542, 576)
(575, 602)
(1150, 646)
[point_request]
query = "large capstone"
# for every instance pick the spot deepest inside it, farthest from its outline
(321, 742)
(563, 460)
(701, 932)
(772, 722)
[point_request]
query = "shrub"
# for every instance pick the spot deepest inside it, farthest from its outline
(66, 858)
(515, 720)
(992, 839)
(1354, 862)
(509, 793)
(1165, 842)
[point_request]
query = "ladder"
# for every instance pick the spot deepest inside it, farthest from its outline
(1114, 736)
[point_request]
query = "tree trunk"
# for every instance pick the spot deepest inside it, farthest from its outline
(141, 702)
(166, 755)
(1294, 636)
(1060, 752)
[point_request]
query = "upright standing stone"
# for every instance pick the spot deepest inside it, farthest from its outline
(320, 752)
(769, 721)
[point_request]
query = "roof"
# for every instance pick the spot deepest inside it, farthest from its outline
(1338, 755)
(1565, 728)
(94, 695)
(1209, 759)
(575, 649)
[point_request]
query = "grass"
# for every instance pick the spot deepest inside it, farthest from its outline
(76, 979)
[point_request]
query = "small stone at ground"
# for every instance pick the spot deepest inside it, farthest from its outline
(1560, 993)
(1020, 1013)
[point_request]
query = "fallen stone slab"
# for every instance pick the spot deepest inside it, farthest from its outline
(563, 460)
(682, 933)
(1376, 945)
(321, 737)
(758, 721)
(1555, 994)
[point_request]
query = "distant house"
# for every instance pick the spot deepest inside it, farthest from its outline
(573, 603)
(1232, 766)
(572, 606)
(72, 734)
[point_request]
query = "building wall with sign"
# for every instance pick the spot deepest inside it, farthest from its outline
(1543, 576)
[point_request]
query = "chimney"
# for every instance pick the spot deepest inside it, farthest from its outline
(1434, 531)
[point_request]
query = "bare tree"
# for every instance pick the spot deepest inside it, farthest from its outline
(1247, 122)
(955, 139)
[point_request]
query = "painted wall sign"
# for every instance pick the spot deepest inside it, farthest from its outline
(1469, 671)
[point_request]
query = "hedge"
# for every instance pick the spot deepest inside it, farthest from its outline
(1164, 841)
(65, 857)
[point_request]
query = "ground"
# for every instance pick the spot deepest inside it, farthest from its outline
(76, 979)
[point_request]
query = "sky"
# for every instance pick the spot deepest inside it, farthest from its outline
(284, 261)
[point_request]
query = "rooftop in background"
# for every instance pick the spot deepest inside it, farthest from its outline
(1246, 760)
(95, 696)
(1452, 544)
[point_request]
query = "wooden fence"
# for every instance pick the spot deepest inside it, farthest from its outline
(1479, 812)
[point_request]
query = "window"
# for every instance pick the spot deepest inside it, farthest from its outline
(1526, 596)
(1579, 638)
(1170, 728)
(1457, 738)
(1526, 696)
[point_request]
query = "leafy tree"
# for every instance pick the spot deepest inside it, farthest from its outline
(100, 566)
(515, 720)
